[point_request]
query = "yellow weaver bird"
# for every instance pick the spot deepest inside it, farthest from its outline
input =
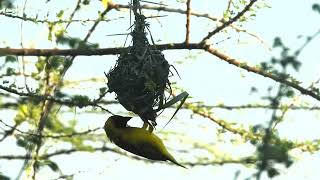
(138, 141)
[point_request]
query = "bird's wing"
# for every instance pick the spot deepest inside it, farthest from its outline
(146, 144)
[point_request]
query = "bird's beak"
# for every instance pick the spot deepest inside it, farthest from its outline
(125, 118)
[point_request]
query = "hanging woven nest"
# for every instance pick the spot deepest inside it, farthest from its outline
(140, 75)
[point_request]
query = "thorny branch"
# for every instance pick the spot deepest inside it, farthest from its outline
(67, 102)
(37, 20)
(50, 136)
(244, 133)
(255, 106)
(248, 160)
(59, 152)
(209, 48)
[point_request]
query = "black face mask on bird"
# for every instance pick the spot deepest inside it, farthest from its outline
(138, 141)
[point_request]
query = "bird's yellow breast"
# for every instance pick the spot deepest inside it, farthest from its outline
(138, 141)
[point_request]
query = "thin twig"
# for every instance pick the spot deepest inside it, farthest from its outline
(25, 78)
(70, 135)
(188, 14)
(309, 39)
(73, 13)
(196, 14)
(7, 133)
(67, 102)
(232, 20)
(36, 20)
(257, 106)
(229, 5)
(101, 17)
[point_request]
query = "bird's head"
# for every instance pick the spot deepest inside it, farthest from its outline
(117, 121)
(114, 125)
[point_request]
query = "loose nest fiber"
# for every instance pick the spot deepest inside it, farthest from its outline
(140, 75)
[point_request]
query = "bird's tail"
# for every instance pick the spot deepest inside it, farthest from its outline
(171, 158)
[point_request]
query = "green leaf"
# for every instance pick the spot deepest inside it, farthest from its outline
(22, 143)
(52, 165)
(3, 177)
(40, 64)
(10, 71)
(277, 42)
(55, 62)
(6, 4)
(103, 90)
(86, 2)
(272, 172)
(60, 14)
(181, 97)
(27, 142)
(80, 100)
(11, 58)
(316, 8)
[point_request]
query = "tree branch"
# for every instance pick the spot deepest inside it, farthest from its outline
(188, 13)
(70, 135)
(239, 64)
(209, 48)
